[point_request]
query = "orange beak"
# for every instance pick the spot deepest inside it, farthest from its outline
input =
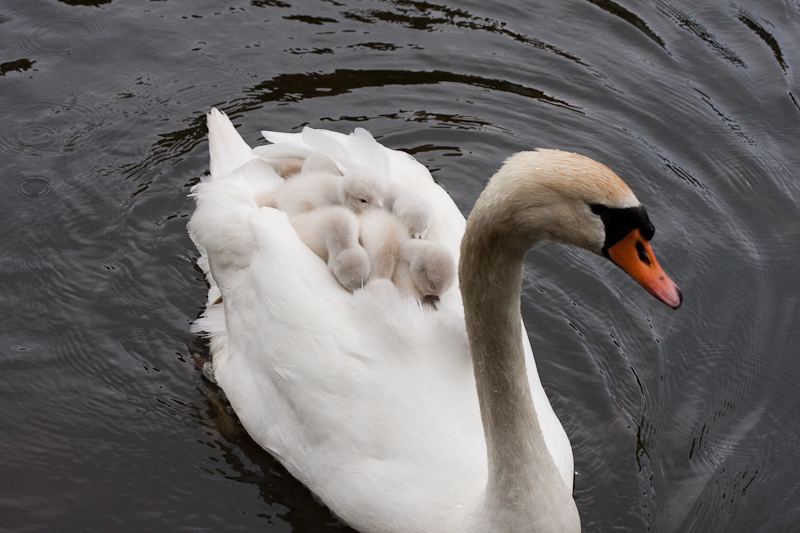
(634, 255)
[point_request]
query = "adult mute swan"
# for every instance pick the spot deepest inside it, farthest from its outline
(399, 416)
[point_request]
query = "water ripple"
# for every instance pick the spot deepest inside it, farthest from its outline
(751, 22)
(49, 129)
(60, 36)
(427, 16)
(630, 17)
(301, 86)
(34, 187)
(700, 30)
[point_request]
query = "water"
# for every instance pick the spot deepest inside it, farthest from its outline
(680, 420)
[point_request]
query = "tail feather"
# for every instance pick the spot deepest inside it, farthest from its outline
(226, 148)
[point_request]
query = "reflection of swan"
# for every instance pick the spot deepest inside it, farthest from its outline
(397, 416)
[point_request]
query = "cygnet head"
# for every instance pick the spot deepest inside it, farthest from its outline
(361, 191)
(432, 268)
(350, 267)
(411, 209)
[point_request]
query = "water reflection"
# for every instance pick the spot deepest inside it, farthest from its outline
(94, 3)
(19, 65)
(630, 17)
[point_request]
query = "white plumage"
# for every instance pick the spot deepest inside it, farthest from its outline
(367, 397)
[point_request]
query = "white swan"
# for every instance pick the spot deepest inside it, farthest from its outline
(398, 416)
(308, 190)
(332, 233)
(411, 209)
(417, 267)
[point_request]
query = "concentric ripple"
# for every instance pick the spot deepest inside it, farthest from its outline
(60, 36)
(47, 129)
(34, 187)
(36, 135)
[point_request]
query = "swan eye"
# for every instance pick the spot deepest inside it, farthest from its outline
(620, 221)
(599, 209)
(363, 201)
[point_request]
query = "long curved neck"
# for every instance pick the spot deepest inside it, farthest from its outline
(524, 482)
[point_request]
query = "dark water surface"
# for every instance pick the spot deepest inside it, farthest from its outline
(680, 420)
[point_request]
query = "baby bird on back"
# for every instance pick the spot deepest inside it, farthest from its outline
(364, 231)
(322, 204)
(320, 184)
(410, 208)
(332, 233)
(417, 267)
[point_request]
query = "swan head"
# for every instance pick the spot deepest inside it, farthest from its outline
(572, 199)
(361, 191)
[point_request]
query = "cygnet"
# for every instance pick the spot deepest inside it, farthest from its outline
(410, 208)
(286, 167)
(311, 189)
(425, 270)
(418, 268)
(332, 234)
(382, 236)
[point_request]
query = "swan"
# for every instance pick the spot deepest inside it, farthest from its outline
(398, 416)
(312, 188)
(332, 233)
(417, 267)
(409, 208)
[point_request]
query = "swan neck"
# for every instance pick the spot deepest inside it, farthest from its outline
(492, 305)
(522, 472)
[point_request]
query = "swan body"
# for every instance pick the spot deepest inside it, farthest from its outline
(398, 416)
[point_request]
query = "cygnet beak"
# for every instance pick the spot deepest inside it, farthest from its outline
(634, 255)
(430, 300)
